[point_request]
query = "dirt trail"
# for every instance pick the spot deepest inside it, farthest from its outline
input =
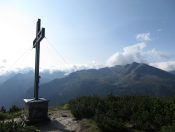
(61, 121)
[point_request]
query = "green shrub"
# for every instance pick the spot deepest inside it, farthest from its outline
(3, 116)
(113, 113)
(167, 129)
(12, 126)
(84, 107)
(108, 122)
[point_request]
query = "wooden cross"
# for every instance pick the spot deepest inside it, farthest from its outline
(40, 34)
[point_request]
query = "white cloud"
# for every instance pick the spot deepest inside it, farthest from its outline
(154, 55)
(138, 53)
(165, 65)
(4, 61)
(143, 37)
(2, 67)
(128, 55)
(67, 68)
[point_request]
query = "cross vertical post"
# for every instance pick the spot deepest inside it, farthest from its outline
(36, 110)
(40, 34)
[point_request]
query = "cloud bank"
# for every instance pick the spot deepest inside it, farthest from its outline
(129, 54)
(138, 53)
(166, 65)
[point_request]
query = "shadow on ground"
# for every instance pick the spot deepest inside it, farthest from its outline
(52, 125)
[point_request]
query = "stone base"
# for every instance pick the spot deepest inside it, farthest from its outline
(36, 110)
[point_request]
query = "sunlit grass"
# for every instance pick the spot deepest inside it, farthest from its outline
(59, 107)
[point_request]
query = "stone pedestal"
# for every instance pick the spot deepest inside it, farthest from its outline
(36, 110)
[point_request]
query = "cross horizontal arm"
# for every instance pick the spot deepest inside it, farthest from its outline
(39, 37)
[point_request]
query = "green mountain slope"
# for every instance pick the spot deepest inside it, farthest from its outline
(131, 79)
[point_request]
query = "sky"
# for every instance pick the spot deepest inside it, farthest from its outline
(82, 34)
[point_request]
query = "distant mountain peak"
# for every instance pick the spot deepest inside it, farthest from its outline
(143, 69)
(135, 63)
(131, 67)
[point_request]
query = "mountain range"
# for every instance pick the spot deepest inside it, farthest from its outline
(133, 79)
(136, 79)
(14, 86)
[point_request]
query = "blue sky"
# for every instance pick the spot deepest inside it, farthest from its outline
(91, 32)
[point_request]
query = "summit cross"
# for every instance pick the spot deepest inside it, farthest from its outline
(40, 34)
